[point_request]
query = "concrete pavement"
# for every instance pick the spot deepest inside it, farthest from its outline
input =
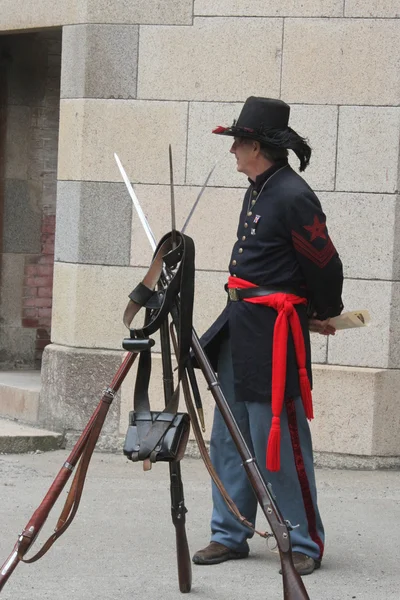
(121, 544)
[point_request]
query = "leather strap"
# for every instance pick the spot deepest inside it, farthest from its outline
(74, 495)
(178, 274)
(237, 294)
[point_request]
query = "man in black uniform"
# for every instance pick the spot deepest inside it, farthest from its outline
(285, 278)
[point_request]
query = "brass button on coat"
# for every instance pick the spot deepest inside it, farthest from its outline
(246, 225)
(243, 238)
(249, 213)
(234, 262)
(240, 250)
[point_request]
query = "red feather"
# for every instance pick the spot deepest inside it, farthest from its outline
(219, 129)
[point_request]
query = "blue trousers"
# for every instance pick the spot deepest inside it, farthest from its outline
(293, 486)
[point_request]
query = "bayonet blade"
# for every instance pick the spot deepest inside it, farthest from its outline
(197, 199)
(171, 180)
(136, 204)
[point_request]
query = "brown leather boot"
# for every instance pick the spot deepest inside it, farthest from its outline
(304, 565)
(216, 553)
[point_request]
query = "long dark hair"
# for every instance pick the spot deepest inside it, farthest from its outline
(279, 141)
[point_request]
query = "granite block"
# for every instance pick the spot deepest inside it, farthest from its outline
(365, 251)
(218, 63)
(269, 8)
(17, 348)
(340, 426)
(139, 132)
(73, 380)
(22, 217)
(93, 223)
(99, 61)
(17, 142)
(88, 304)
(20, 14)
(367, 346)
(342, 61)
(173, 12)
(12, 276)
(363, 165)
(376, 8)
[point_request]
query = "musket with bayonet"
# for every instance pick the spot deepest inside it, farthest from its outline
(293, 586)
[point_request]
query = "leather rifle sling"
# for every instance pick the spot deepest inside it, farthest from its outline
(74, 495)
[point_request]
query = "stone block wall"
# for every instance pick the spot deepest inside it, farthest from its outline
(138, 76)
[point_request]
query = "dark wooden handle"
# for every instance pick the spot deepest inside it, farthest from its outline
(183, 558)
(293, 586)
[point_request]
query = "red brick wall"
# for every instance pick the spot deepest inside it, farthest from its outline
(38, 288)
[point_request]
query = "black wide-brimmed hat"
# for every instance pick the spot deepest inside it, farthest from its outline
(266, 120)
(258, 116)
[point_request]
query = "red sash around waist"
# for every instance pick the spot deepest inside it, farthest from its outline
(287, 317)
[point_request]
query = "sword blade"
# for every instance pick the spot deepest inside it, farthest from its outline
(197, 199)
(171, 179)
(136, 204)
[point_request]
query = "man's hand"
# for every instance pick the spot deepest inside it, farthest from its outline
(322, 327)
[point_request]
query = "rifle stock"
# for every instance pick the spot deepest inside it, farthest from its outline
(178, 512)
(293, 586)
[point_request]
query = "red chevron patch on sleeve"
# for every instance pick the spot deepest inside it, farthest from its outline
(319, 257)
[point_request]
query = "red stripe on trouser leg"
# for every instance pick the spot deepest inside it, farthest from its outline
(302, 475)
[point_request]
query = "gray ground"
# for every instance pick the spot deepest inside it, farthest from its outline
(121, 545)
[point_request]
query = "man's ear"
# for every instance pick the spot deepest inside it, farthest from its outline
(256, 146)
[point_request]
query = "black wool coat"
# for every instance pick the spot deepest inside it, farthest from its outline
(282, 241)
